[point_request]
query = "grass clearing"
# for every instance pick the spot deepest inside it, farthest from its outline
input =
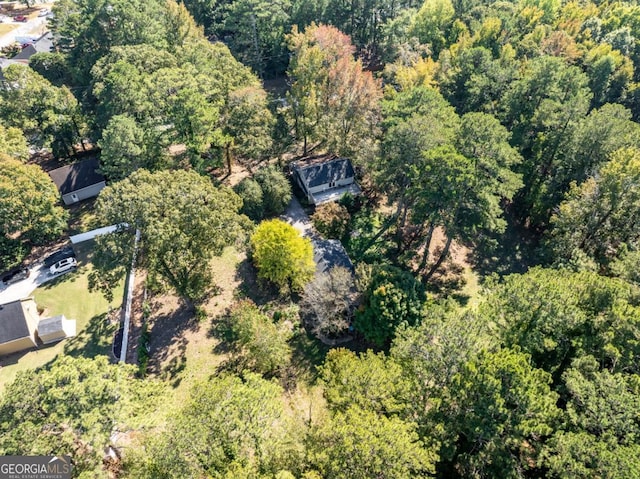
(184, 351)
(69, 295)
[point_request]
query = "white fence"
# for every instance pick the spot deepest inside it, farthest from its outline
(89, 235)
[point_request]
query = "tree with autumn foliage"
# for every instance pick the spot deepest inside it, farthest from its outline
(332, 102)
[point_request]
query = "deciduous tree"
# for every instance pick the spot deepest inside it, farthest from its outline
(332, 100)
(13, 143)
(183, 219)
(282, 256)
(29, 202)
(330, 299)
(361, 444)
(62, 408)
(261, 342)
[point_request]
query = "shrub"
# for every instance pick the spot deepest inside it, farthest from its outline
(262, 342)
(252, 198)
(282, 256)
(331, 220)
(276, 190)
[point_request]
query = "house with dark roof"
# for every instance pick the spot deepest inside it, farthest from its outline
(329, 254)
(31, 46)
(324, 179)
(78, 181)
(22, 328)
(18, 326)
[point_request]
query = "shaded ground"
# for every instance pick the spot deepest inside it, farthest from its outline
(177, 338)
(513, 251)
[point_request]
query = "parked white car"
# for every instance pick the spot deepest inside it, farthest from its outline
(63, 266)
(43, 13)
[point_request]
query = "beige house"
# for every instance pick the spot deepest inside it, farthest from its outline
(18, 326)
(21, 327)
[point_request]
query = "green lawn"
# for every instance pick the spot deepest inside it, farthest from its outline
(68, 295)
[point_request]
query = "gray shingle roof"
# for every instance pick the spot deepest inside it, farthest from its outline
(330, 253)
(320, 173)
(76, 176)
(13, 322)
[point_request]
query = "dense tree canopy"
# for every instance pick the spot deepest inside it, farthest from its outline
(184, 221)
(487, 136)
(29, 211)
(63, 407)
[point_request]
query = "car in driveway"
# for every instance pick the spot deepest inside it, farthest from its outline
(61, 254)
(63, 266)
(43, 13)
(15, 275)
(20, 18)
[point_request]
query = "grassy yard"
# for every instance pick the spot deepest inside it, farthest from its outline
(69, 295)
(185, 351)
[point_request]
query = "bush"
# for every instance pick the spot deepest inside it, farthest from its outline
(252, 198)
(276, 190)
(392, 297)
(262, 343)
(282, 256)
(331, 220)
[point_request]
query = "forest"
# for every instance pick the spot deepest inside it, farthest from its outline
(490, 327)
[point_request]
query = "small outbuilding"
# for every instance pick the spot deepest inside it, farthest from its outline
(18, 325)
(55, 329)
(78, 181)
(324, 179)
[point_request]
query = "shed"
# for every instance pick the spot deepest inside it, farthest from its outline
(325, 179)
(56, 328)
(18, 323)
(79, 181)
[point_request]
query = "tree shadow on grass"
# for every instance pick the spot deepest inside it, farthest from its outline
(168, 345)
(448, 281)
(251, 287)
(308, 353)
(95, 339)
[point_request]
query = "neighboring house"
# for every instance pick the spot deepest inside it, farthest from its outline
(32, 45)
(78, 181)
(18, 326)
(324, 179)
(21, 327)
(56, 329)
